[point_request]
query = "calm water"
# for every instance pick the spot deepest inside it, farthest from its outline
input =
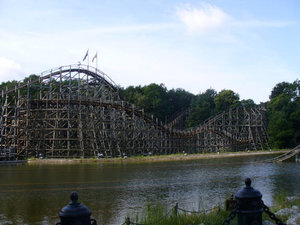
(34, 194)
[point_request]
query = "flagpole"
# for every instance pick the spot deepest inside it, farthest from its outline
(88, 61)
(96, 57)
(97, 62)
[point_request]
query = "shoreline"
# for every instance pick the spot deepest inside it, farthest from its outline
(159, 158)
(13, 162)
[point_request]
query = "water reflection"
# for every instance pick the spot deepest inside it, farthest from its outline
(34, 194)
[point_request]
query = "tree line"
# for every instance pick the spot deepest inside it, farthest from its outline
(283, 107)
(163, 104)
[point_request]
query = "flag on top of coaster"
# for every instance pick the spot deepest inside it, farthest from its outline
(86, 55)
(96, 56)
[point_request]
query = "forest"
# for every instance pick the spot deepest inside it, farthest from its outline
(282, 109)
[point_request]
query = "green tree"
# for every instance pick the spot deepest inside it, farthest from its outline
(132, 94)
(247, 103)
(283, 114)
(280, 130)
(202, 107)
(225, 100)
(156, 100)
(178, 100)
(281, 88)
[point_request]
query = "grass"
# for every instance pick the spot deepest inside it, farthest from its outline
(159, 215)
(151, 158)
(281, 202)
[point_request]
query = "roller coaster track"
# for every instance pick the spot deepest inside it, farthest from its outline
(97, 75)
(285, 156)
(76, 111)
(178, 119)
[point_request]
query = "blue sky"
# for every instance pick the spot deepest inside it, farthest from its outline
(246, 46)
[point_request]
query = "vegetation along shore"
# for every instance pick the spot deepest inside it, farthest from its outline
(286, 208)
(157, 158)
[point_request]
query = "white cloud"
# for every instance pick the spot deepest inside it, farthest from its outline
(9, 70)
(204, 19)
(207, 18)
(262, 23)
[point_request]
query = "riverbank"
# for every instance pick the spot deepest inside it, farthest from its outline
(13, 162)
(286, 209)
(158, 158)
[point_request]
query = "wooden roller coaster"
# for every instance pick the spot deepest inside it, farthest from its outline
(76, 111)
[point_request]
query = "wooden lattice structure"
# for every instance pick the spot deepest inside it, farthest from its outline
(75, 111)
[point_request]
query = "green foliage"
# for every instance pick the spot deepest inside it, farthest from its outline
(159, 215)
(225, 100)
(156, 100)
(178, 99)
(31, 77)
(247, 103)
(281, 202)
(12, 84)
(283, 112)
(8, 85)
(210, 103)
(283, 87)
(202, 107)
(280, 130)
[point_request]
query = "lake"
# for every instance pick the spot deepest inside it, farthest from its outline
(34, 194)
